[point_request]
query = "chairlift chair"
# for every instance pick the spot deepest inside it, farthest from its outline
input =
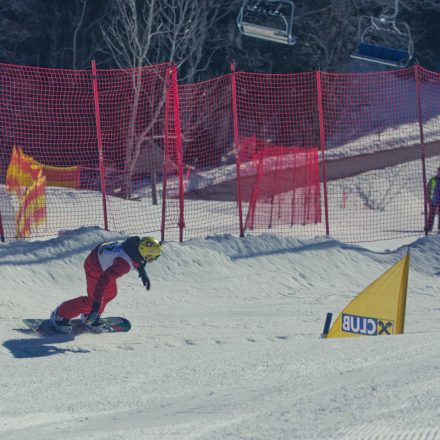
(384, 40)
(269, 20)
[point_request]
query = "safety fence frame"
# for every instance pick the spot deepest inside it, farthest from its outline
(174, 103)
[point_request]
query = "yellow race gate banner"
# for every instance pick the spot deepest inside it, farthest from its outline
(379, 310)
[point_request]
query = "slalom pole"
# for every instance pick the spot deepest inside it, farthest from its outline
(99, 142)
(422, 147)
(328, 320)
(322, 142)
(237, 147)
(178, 133)
(2, 232)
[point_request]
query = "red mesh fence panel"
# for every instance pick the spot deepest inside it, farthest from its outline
(372, 150)
(279, 113)
(209, 170)
(132, 105)
(173, 211)
(49, 114)
(161, 141)
(429, 88)
(286, 189)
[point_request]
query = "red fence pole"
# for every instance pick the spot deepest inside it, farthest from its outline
(322, 142)
(237, 149)
(422, 145)
(179, 152)
(99, 139)
(166, 155)
(2, 232)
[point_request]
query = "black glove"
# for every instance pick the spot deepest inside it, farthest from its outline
(144, 277)
(93, 315)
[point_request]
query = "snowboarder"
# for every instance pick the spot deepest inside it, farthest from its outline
(434, 200)
(103, 266)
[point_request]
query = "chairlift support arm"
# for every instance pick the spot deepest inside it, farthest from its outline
(394, 15)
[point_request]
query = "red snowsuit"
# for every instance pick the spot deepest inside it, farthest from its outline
(101, 282)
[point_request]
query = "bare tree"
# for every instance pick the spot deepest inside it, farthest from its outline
(78, 25)
(131, 32)
(148, 32)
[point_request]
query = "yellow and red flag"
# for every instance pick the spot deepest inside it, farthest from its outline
(66, 177)
(21, 172)
(32, 211)
(28, 179)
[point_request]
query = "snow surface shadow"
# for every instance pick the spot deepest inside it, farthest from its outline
(324, 244)
(81, 241)
(20, 257)
(40, 346)
(404, 231)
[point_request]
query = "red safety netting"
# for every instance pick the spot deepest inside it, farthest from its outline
(429, 92)
(132, 106)
(286, 189)
(208, 171)
(173, 212)
(49, 115)
(372, 148)
(218, 156)
(278, 114)
(52, 116)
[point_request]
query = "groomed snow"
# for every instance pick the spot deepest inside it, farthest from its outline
(225, 346)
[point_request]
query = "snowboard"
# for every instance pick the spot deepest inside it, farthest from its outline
(112, 324)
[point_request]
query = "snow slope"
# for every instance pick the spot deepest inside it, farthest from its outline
(225, 345)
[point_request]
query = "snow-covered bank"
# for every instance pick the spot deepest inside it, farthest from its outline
(225, 345)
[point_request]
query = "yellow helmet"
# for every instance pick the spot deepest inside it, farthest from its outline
(150, 248)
